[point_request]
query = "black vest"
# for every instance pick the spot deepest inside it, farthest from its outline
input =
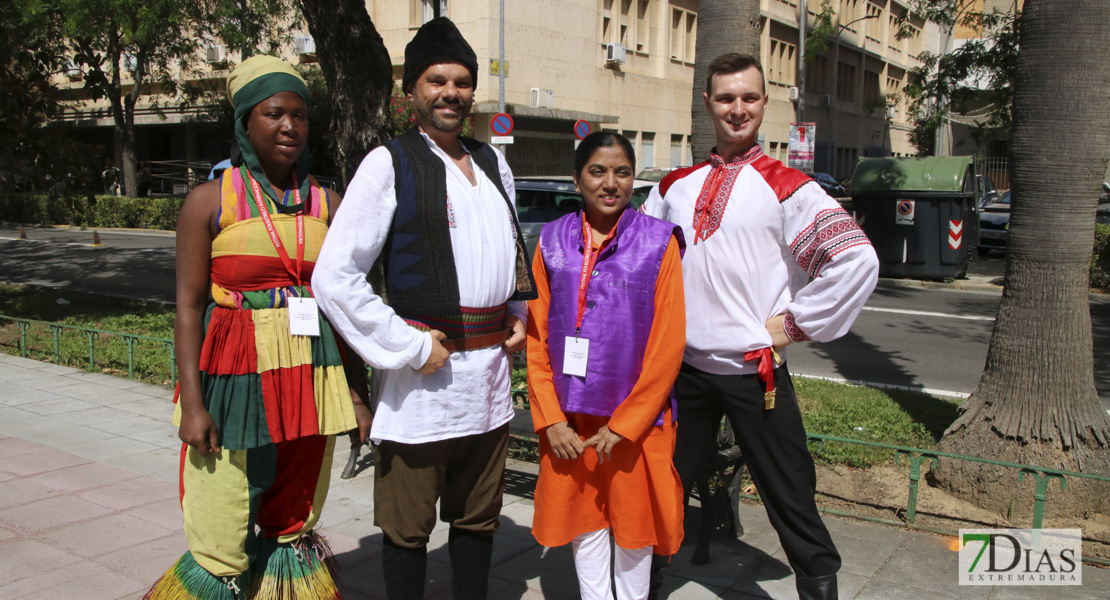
(415, 273)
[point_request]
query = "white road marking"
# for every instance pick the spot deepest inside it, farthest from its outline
(921, 313)
(888, 386)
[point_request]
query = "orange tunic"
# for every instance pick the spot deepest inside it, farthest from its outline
(637, 494)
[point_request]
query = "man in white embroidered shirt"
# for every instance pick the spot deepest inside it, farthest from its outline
(771, 260)
(430, 217)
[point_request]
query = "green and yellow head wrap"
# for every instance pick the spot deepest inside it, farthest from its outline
(258, 78)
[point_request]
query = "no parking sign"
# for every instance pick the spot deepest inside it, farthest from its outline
(904, 216)
(581, 128)
(501, 125)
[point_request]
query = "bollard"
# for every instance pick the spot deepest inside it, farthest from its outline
(96, 238)
(22, 234)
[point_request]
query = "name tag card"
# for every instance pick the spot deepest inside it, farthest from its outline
(304, 318)
(575, 354)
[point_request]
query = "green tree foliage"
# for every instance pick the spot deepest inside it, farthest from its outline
(975, 80)
(37, 153)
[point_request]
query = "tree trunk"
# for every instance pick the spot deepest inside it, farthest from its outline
(1036, 402)
(359, 75)
(723, 26)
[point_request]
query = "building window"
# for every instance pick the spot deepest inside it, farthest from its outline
(422, 11)
(846, 81)
(871, 89)
(643, 26)
(676, 150)
(683, 35)
(784, 63)
(631, 27)
(626, 6)
(848, 13)
(647, 150)
(874, 26)
(817, 77)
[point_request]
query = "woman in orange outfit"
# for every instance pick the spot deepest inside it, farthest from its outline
(605, 342)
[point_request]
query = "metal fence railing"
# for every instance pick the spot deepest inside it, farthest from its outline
(526, 446)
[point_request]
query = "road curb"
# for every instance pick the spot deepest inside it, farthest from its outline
(84, 228)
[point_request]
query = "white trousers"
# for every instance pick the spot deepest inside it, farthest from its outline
(631, 568)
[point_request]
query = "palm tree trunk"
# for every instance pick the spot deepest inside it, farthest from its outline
(359, 75)
(1036, 402)
(723, 26)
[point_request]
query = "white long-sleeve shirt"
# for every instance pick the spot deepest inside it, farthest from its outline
(470, 393)
(777, 248)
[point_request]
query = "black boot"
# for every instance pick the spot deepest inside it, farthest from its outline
(470, 558)
(817, 588)
(403, 570)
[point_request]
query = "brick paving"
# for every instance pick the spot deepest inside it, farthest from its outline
(89, 510)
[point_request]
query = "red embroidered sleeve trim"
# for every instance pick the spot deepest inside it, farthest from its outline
(794, 332)
(831, 232)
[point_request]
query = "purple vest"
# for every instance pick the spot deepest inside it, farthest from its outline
(620, 306)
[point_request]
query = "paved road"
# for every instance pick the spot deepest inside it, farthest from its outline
(129, 264)
(921, 338)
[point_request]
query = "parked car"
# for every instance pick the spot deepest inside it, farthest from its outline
(543, 199)
(829, 183)
(655, 174)
(988, 193)
(994, 221)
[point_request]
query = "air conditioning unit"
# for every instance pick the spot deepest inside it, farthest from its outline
(130, 62)
(792, 93)
(826, 100)
(891, 112)
(304, 44)
(73, 70)
(541, 98)
(614, 53)
(215, 53)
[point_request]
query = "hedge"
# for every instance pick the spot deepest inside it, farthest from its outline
(161, 213)
(97, 211)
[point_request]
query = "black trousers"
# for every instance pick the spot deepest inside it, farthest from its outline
(774, 447)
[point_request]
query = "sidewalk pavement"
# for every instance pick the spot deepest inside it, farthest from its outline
(89, 510)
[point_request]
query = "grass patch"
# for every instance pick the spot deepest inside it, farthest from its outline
(885, 416)
(151, 358)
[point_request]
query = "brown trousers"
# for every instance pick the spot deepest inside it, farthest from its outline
(467, 476)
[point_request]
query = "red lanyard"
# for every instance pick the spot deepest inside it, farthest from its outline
(589, 258)
(265, 215)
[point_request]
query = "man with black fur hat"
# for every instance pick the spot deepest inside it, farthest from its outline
(429, 216)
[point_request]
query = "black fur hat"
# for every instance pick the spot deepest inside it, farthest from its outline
(437, 41)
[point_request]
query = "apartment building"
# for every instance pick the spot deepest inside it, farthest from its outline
(623, 65)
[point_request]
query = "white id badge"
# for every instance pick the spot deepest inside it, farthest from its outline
(575, 354)
(304, 318)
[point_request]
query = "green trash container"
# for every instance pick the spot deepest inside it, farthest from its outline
(921, 214)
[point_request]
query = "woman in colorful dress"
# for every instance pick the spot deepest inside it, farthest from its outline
(262, 388)
(605, 342)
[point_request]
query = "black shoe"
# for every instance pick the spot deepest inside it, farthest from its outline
(470, 558)
(817, 588)
(658, 565)
(404, 570)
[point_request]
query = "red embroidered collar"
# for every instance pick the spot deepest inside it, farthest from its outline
(715, 192)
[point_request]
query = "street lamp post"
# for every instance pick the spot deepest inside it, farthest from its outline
(841, 27)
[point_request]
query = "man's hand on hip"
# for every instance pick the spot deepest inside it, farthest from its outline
(776, 326)
(519, 336)
(439, 354)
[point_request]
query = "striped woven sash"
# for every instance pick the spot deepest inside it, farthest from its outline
(469, 322)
